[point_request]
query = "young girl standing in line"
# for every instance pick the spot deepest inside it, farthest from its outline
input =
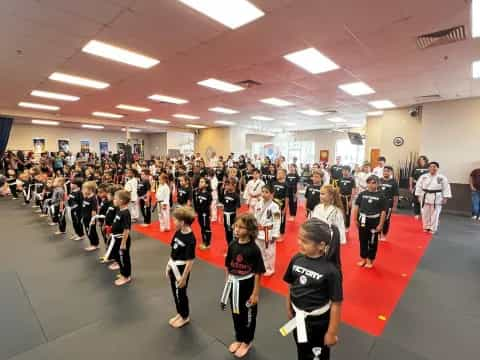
(330, 209)
(315, 279)
(121, 230)
(163, 199)
(202, 202)
(245, 267)
(180, 263)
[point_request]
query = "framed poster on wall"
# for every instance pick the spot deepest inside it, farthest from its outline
(63, 145)
(324, 156)
(103, 147)
(39, 145)
(85, 146)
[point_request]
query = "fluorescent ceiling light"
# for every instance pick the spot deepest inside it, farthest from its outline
(132, 130)
(357, 89)
(45, 122)
(132, 108)
(276, 102)
(262, 118)
(220, 85)
(185, 116)
(476, 69)
(312, 60)
(312, 112)
(114, 53)
(158, 121)
(55, 96)
(194, 126)
(225, 122)
(89, 126)
(475, 18)
(286, 123)
(337, 120)
(167, 99)
(107, 115)
(223, 110)
(76, 80)
(375, 113)
(231, 13)
(38, 106)
(382, 104)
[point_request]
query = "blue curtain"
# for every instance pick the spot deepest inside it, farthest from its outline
(5, 127)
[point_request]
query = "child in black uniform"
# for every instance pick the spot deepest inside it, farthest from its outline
(121, 229)
(112, 244)
(184, 192)
(312, 193)
(231, 202)
(316, 294)
(180, 263)
(12, 183)
(89, 210)
(292, 184)
(143, 193)
(369, 212)
(75, 202)
(346, 185)
(389, 188)
(58, 204)
(202, 201)
(280, 197)
(245, 267)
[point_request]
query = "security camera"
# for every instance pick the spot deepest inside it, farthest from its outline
(415, 111)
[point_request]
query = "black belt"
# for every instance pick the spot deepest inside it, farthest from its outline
(425, 192)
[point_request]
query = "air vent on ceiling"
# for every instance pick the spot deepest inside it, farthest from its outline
(248, 83)
(428, 98)
(441, 37)
(329, 111)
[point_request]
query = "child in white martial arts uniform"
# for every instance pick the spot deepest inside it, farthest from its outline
(268, 218)
(132, 187)
(378, 170)
(245, 266)
(180, 263)
(316, 294)
(253, 190)
(163, 199)
(330, 209)
(214, 186)
(433, 191)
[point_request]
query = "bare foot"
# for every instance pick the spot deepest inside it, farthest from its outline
(114, 266)
(181, 322)
(174, 319)
(91, 248)
(243, 350)
(361, 263)
(122, 281)
(234, 346)
(369, 264)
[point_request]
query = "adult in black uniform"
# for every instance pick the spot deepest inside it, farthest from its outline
(121, 228)
(419, 170)
(143, 193)
(316, 294)
(389, 188)
(245, 267)
(347, 186)
(312, 192)
(280, 197)
(180, 264)
(369, 211)
(292, 186)
(336, 171)
(231, 202)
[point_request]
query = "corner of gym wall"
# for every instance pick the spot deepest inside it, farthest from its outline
(213, 139)
(394, 123)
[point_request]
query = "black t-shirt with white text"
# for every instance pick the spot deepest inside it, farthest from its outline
(313, 282)
(121, 222)
(389, 188)
(244, 259)
(371, 203)
(182, 246)
(231, 202)
(89, 204)
(184, 194)
(346, 185)
(312, 194)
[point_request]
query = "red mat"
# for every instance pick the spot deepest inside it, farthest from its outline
(370, 296)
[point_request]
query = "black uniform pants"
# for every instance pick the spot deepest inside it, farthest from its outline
(146, 211)
(180, 295)
(283, 213)
(77, 222)
(348, 209)
(386, 224)
(317, 327)
(13, 190)
(228, 222)
(221, 194)
(59, 217)
(122, 257)
(292, 201)
(245, 322)
(91, 231)
(368, 239)
(204, 220)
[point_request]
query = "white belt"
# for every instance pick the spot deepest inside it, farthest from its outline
(298, 322)
(228, 217)
(233, 283)
(364, 217)
(111, 244)
(173, 265)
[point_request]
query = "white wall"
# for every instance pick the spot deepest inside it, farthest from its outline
(176, 139)
(451, 136)
(255, 138)
(156, 145)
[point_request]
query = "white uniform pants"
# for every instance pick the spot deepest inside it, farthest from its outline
(133, 208)
(251, 205)
(164, 217)
(268, 254)
(430, 216)
(213, 206)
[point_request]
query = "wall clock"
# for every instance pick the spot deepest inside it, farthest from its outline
(398, 141)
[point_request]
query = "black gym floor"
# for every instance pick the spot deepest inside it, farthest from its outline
(57, 302)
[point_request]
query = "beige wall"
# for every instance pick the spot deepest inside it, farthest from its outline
(451, 136)
(156, 145)
(382, 130)
(254, 138)
(215, 139)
